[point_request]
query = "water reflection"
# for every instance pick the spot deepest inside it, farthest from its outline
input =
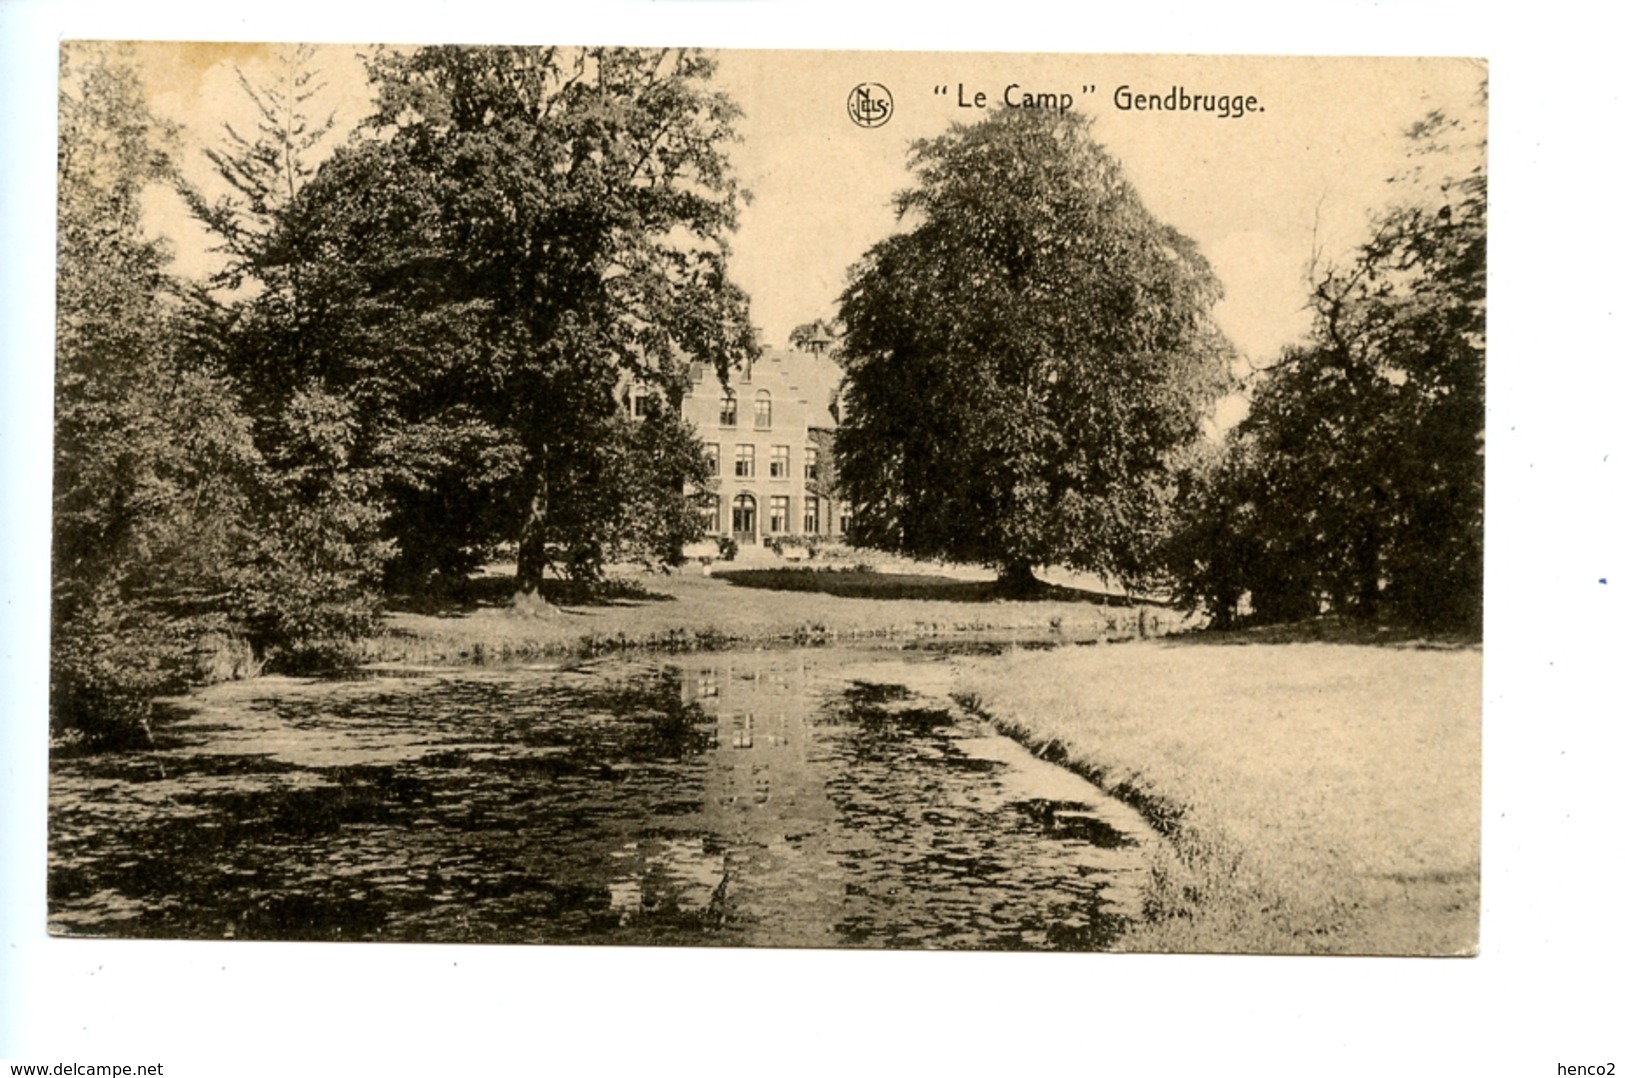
(828, 798)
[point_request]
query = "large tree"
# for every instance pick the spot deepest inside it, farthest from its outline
(1025, 358)
(1356, 482)
(152, 461)
(313, 561)
(511, 236)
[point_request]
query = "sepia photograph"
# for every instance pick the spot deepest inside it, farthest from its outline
(713, 535)
(659, 496)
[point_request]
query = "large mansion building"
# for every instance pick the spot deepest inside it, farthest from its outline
(768, 436)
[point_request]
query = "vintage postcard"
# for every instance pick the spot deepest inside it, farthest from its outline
(788, 499)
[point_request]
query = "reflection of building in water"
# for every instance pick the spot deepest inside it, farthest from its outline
(704, 686)
(762, 742)
(667, 875)
(769, 438)
(817, 818)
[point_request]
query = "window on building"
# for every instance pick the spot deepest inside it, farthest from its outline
(729, 416)
(713, 458)
(778, 513)
(711, 513)
(745, 461)
(811, 468)
(779, 466)
(764, 409)
(846, 522)
(744, 522)
(809, 515)
(640, 401)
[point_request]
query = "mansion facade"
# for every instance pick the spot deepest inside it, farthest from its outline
(769, 439)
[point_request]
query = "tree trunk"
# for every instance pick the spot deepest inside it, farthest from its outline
(1370, 570)
(532, 566)
(1017, 582)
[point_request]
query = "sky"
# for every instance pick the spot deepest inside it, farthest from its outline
(1258, 192)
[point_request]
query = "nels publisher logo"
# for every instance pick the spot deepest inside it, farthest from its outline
(869, 104)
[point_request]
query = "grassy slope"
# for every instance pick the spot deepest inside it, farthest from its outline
(1320, 797)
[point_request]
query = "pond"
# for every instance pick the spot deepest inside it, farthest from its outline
(831, 797)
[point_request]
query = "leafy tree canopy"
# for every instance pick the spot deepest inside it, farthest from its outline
(1356, 483)
(263, 174)
(1025, 358)
(512, 234)
(152, 460)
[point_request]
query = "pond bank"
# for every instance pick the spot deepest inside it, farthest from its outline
(1317, 798)
(1320, 790)
(687, 612)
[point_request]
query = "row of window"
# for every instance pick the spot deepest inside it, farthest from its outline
(778, 515)
(728, 416)
(778, 466)
(642, 403)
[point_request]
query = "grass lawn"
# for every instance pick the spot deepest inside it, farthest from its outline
(1318, 797)
(691, 610)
